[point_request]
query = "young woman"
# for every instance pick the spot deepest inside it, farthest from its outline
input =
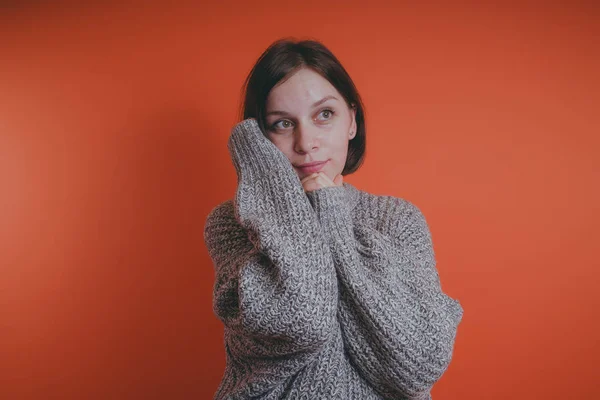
(325, 291)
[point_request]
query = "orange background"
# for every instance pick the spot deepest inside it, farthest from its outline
(113, 128)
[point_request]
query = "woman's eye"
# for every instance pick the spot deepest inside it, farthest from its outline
(275, 125)
(328, 113)
(285, 124)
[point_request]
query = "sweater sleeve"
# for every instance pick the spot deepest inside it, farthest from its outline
(398, 326)
(275, 283)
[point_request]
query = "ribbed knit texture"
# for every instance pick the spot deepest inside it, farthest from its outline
(327, 294)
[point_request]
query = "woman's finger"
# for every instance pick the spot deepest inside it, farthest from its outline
(323, 180)
(314, 182)
(309, 177)
(326, 179)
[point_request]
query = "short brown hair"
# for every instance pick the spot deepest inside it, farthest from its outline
(282, 58)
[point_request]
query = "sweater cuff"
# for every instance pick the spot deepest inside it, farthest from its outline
(332, 206)
(254, 156)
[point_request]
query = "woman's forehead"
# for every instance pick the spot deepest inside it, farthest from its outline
(303, 89)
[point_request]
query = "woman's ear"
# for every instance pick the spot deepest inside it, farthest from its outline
(353, 126)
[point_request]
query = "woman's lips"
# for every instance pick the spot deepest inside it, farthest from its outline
(313, 168)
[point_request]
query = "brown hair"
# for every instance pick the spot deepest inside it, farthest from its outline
(282, 58)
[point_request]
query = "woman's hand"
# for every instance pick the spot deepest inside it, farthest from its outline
(320, 180)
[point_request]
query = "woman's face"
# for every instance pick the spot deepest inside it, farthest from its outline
(309, 121)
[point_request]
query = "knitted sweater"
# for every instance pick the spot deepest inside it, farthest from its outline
(326, 294)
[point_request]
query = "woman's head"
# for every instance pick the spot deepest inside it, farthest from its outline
(307, 105)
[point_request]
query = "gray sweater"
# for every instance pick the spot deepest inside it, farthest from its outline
(326, 294)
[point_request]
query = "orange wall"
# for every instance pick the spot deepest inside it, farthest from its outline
(113, 129)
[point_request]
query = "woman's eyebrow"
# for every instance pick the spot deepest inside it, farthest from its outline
(323, 100)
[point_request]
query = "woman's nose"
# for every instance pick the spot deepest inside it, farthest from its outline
(306, 139)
